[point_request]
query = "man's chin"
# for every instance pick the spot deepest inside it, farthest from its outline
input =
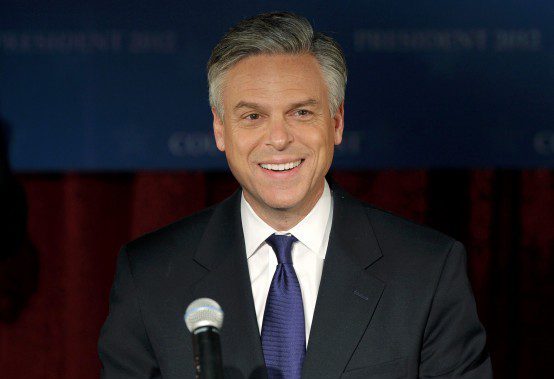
(274, 199)
(285, 203)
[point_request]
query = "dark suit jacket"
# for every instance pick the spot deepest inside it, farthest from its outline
(394, 300)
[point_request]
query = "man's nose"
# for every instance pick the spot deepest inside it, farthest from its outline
(279, 135)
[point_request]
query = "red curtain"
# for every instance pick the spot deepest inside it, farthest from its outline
(77, 222)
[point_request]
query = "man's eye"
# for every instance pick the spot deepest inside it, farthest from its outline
(253, 116)
(302, 112)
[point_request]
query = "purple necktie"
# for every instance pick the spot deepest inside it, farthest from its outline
(283, 331)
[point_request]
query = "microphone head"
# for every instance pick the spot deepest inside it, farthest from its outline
(203, 312)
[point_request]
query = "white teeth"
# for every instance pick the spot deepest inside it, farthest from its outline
(281, 166)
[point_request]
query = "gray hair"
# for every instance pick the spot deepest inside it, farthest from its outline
(277, 33)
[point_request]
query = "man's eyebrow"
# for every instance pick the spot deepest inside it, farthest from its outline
(246, 104)
(305, 103)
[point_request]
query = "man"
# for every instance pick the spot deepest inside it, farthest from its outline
(393, 298)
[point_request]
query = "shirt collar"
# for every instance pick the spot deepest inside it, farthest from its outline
(312, 231)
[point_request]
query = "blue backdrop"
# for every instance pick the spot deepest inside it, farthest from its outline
(119, 85)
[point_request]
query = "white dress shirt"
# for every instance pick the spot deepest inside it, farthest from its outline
(308, 254)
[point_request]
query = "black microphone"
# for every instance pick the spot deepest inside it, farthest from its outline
(204, 318)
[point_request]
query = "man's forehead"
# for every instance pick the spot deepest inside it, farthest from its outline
(256, 104)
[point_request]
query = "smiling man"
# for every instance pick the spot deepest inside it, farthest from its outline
(278, 132)
(314, 284)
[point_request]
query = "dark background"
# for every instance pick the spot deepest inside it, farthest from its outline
(120, 85)
(106, 135)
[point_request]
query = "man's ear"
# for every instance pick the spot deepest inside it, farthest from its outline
(338, 124)
(218, 131)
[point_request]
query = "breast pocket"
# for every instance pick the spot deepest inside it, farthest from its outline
(395, 369)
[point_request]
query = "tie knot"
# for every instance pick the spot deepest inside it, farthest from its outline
(282, 246)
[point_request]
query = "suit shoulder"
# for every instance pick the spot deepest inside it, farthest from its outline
(178, 236)
(394, 232)
(408, 249)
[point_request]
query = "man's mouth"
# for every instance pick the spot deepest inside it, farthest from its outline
(281, 166)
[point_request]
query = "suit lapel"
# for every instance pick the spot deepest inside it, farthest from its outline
(222, 252)
(347, 295)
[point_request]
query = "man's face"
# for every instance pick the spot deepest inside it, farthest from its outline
(277, 131)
